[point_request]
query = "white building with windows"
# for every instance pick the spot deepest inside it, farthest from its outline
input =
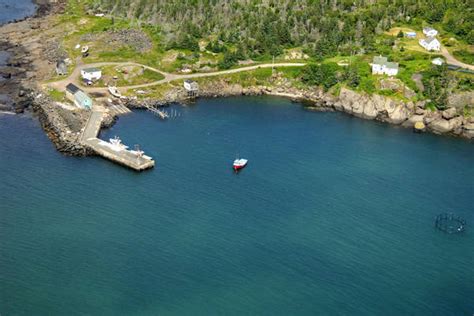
(91, 74)
(430, 44)
(381, 66)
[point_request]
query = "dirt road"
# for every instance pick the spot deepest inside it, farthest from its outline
(74, 77)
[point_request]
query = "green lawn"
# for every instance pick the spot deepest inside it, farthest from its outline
(57, 95)
(127, 75)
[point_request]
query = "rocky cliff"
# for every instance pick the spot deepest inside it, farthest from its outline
(372, 107)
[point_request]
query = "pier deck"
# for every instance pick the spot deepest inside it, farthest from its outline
(124, 157)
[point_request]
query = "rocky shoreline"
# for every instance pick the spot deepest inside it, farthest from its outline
(31, 54)
(33, 51)
(370, 107)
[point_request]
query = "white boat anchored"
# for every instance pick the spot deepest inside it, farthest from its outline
(239, 164)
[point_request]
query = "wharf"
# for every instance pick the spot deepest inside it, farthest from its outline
(124, 157)
(129, 158)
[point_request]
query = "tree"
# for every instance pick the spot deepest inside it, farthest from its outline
(322, 75)
(437, 82)
(351, 76)
(400, 34)
(230, 59)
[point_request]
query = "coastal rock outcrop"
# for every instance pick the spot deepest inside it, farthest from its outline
(449, 113)
(385, 109)
(459, 100)
(63, 127)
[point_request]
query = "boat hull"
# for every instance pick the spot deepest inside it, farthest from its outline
(239, 167)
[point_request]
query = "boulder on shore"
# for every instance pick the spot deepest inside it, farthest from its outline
(449, 113)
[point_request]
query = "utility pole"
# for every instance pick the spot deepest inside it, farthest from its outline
(273, 65)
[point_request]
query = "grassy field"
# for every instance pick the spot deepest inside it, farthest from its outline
(464, 56)
(127, 75)
(56, 95)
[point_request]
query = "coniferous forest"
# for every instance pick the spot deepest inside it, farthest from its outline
(265, 27)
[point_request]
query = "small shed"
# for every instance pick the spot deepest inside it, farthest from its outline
(410, 34)
(438, 61)
(61, 68)
(191, 85)
(91, 74)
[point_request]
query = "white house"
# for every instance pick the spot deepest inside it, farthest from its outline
(381, 66)
(430, 32)
(430, 43)
(91, 74)
(438, 61)
(410, 34)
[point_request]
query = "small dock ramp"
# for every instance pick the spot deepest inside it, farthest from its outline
(118, 109)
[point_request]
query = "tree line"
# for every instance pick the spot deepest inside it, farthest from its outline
(265, 27)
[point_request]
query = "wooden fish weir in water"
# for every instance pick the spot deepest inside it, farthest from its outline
(162, 114)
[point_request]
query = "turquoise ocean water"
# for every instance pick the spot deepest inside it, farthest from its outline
(333, 215)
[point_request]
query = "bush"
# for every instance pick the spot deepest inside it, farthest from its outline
(464, 56)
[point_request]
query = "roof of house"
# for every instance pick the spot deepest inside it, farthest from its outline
(93, 69)
(430, 39)
(438, 60)
(83, 98)
(428, 29)
(383, 61)
(61, 66)
(189, 81)
(391, 65)
(72, 88)
(379, 60)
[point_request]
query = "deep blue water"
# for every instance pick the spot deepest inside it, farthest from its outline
(333, 215)
(15, 9)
